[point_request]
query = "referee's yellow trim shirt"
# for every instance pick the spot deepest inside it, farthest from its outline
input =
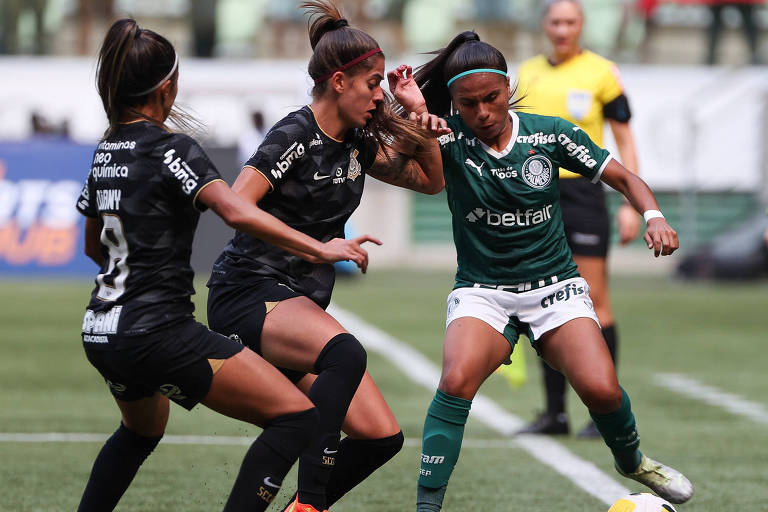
(576, 90)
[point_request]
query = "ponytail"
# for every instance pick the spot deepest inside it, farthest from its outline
(133, 63)
(464, 53)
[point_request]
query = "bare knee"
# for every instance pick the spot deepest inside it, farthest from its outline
(601, 397)
(458, 382)
(147, 418)
(357, 426)
(145, 429)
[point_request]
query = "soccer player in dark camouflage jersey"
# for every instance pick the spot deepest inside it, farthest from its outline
(309, 172)
(142, 200)
(515, 271)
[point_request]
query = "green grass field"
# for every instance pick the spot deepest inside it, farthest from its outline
(713, 333)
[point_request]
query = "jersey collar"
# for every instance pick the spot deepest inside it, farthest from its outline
(314, 119)
(504, 152)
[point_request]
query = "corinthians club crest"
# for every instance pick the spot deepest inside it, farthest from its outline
(537, 171)
(354, 165)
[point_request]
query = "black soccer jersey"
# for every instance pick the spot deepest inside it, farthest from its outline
(316, 183)
(143, 185)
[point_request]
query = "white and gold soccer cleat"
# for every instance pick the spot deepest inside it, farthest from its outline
(665, 481)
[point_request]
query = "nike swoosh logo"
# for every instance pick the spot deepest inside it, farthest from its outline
(329, 452)
(319, 176)
(268, 482)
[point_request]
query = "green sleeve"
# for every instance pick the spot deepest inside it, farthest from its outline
(576, 152)
(449, 143)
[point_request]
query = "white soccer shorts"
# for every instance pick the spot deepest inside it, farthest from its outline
(509, 313)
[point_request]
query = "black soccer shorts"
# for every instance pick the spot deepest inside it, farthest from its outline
(585, 217)
(239, 312)
(178, 362)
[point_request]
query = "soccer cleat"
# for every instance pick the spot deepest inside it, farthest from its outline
(295, 506)
(548, 424)
(589, 431)
(665, 481)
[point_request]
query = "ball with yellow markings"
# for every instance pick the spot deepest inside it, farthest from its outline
(641, 502)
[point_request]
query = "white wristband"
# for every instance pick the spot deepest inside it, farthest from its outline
(652, 214)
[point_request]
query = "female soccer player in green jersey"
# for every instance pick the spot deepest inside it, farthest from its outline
(515, 271)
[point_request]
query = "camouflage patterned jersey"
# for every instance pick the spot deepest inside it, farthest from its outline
(143, 185)
(316, 183)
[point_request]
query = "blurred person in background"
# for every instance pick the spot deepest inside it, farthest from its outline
(747, 9)
(142, 201)
(515, 272)
(10, 12)
(44, 128)
(251, 138)
(310, 172)
(584, 88)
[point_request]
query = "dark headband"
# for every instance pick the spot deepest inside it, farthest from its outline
(348, 65)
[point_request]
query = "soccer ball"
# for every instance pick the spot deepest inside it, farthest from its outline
(641, 502)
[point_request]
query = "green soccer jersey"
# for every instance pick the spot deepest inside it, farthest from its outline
(505, 206)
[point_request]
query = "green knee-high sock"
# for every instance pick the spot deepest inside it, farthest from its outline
(619, 431)
(441, 443)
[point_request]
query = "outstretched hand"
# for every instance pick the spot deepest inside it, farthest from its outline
(433, 125)
(341, 249)
(405, 89)
(661, 237)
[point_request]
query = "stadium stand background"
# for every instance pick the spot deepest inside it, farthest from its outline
(701, 130)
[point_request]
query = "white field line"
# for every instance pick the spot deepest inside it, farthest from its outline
(421, 370)
(733, 403)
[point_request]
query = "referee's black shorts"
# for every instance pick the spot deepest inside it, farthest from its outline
(178, 362)
(585, 217)
(238, 311)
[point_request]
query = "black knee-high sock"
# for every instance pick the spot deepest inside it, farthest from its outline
(269, 458)
(357, 460)
(339, 367)
(612, 340)
(114, 469)
(554, 385)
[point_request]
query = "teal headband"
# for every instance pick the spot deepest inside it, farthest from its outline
(471, 71)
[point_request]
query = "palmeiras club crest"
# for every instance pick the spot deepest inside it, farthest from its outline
(537, 171)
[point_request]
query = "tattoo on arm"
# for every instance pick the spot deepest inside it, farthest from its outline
(399, 169)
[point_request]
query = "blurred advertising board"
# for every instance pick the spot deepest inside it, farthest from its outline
(40, 230)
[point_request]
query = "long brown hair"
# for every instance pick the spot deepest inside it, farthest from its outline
(132, 62)
(334, 44)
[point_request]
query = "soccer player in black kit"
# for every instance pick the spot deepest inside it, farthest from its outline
(309, 172)
(142, 200)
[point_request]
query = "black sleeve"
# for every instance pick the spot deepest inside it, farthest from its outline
(84, 203)
(618, 109)
(187, 168)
